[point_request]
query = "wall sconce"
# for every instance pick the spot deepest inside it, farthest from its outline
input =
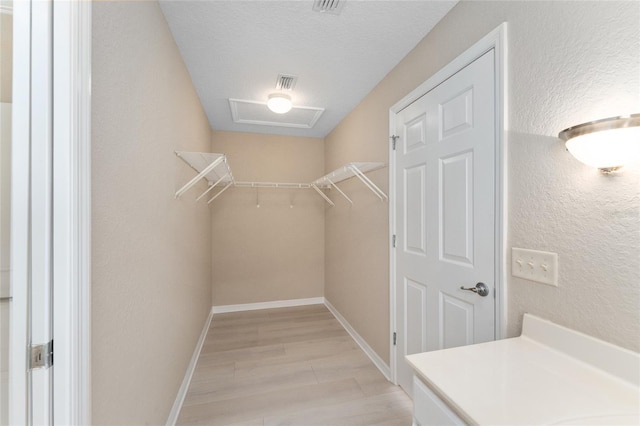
(606, 144)
(279, 103)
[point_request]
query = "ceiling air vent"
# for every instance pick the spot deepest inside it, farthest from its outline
(286, 82)
(328, 6)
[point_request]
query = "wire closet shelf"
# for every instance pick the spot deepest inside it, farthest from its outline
(216, 170)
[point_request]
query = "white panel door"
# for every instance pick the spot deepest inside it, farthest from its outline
(445, 215)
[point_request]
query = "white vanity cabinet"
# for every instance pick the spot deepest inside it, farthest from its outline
(548, 375)
(429, 409)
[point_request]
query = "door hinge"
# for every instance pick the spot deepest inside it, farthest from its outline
(393, 240)
(41, 356)
(394, 338)
(394, 138)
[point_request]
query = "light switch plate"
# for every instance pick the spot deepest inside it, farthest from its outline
(534, 265)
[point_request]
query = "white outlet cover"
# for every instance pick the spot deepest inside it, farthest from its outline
(535, 265)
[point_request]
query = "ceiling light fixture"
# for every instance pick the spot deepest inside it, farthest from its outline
(279, 103)
(606, 144)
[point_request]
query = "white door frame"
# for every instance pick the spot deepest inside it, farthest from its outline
(19, 212)
(496, 40)
(71, 211)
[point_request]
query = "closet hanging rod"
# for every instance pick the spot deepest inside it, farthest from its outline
(279, 185)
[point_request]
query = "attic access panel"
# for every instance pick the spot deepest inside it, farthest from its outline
(253, 112)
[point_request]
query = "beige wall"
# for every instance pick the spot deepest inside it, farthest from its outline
(569, 62)
(276, 251)
(151, 260)
(357, 253)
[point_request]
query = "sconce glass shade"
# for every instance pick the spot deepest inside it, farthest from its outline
(606, 144)
(279, 103)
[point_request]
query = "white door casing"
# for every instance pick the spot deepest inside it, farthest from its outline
(41, 205)
(19, 208)
(31, 199)
(447, 212)
(50, 230)
(72, 211)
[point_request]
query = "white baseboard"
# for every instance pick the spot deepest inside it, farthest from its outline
(268, 305)
(182, 392)
(382, 366)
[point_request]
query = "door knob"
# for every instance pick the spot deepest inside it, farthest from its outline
(480, 289)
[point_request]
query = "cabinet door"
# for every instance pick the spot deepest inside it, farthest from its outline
(428, 409)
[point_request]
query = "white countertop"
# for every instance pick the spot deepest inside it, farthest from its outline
(549, 375)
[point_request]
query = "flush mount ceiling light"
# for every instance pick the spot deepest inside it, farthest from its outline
(279, 103)
(606, 144)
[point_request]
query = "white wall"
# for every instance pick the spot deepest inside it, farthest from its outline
(151, 253)
(569, 62)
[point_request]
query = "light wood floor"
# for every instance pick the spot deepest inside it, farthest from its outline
(290, 366)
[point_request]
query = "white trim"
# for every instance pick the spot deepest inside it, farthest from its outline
(379, 362)
(72, 212)
(20, 139)
(496, 40)
(502, 187)
(184, 387)
(235, 115)
(268, 305)
(392, 252)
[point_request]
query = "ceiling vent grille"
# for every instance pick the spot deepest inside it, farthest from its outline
(286, 82)
(329, 6)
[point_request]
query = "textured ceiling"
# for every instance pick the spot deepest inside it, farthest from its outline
(236, 49)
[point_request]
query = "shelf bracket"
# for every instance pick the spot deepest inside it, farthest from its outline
(339, 190)
(220, 193)
(212, 186)
(372, 186)
(200, 175)
(327, 199)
